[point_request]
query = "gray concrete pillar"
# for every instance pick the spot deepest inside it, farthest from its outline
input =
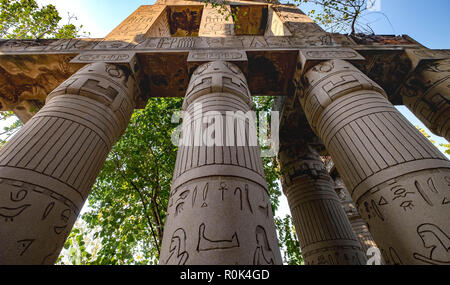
(48, 168)
(359, 226)
(219, 210)
(398, 179)
(427, 94)
(323, 229)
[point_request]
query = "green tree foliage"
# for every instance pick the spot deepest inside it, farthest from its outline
(25, 19)
(340, 15)
(289, 244)
(10, 129)
(443, 145)
(127, 207)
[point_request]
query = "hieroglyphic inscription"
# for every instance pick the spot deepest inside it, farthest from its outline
(137, 25)
(224, 185)
(215, 24)
(396, 176)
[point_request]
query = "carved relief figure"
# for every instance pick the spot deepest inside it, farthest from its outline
(263, 254)
(205, 244)
(178, 253)
(437, 241)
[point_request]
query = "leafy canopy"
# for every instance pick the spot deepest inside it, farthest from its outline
(25, 19)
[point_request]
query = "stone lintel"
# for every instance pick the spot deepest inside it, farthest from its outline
(180, 44)
(269, 61)
(310, 57)
(418, 55)
(238, 57)
(213, 55)
(124, 57)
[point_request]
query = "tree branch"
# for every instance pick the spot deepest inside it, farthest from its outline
(141, 197)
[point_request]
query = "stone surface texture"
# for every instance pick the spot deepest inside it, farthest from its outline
(76, 97)
(427, 94)
(48, 168)
(219, 211)
(397, 178)
(359, 226)
(323, 229)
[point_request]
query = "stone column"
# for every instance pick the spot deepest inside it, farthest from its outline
(323, 229)
(398, 179)
(219, 210)
(48, 168)
(427, 94)
(360, 227)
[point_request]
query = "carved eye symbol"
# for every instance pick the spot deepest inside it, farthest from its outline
(19, 196)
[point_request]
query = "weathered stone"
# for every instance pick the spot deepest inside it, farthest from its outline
(397, 178)
(427, 91)
(215, 24)
(323, 229)
(275, 26)
(360, 227)
(219, 210)
(140, 24)
(48, 168)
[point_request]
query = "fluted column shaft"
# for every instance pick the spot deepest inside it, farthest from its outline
(359, 226)
(427, 94)
(323, 229)
(398, 179)
(48, 168)
(219, 210)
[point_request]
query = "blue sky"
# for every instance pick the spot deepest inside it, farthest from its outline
(426, 21)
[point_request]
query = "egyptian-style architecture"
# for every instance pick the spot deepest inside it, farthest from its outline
(389, 187)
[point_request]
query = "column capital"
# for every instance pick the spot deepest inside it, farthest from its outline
(299, 160)
(110, 85)
(323, 229)
(217, 77)
(426, 92)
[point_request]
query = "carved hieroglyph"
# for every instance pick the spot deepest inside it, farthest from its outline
(146, 21)
(427, 94)
(48, 168)
(398, 179)
(323, 229)
(219, 210)
(360, 227)
(216, 25)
